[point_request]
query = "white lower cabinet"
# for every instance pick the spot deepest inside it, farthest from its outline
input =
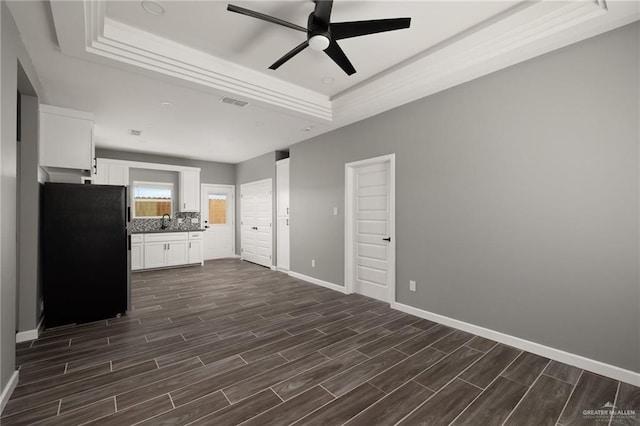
(137, 252)
(177, 253)
(155, 254)
(195, 247)
(161, 250)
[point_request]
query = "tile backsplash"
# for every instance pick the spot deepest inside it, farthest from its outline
(143, 225)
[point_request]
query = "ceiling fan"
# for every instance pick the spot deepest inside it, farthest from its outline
(322, 34)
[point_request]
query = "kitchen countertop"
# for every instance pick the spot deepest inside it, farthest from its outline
(161, 231)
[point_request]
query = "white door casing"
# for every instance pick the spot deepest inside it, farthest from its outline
(219, 238)
(370, 227)
(256, 223)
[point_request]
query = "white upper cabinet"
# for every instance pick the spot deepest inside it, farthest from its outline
(189, 191)
(66, 138)
(111, 172)
(282, 187)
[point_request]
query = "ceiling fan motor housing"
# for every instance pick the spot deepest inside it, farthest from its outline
(318, 35)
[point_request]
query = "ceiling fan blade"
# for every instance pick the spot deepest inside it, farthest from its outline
(335, 52)
(293, 52)
(322, 12)
(262, 16)
(342, 30)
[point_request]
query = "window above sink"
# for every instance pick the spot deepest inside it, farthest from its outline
(151, 200)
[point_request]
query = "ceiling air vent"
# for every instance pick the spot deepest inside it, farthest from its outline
(231, 101)
(133, 132)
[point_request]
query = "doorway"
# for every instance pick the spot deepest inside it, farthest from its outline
(256, 231)
(370, 228)
(218, 213)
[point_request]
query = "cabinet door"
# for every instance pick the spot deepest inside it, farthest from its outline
(282, 187)
(137, 251)
(65, 141)
(195, 251)
(155, 255)
(283, 244)
(189, 191)
(118, 175)
(101, 177)
(178, 253)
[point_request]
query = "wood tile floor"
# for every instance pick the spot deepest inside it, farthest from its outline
(233, 343)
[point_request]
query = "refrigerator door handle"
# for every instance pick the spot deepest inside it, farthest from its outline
(129, 242)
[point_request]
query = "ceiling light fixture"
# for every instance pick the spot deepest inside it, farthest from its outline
(307, 129)
(165, 104)
(327, 80)
(135, 132)
(152, 7)
(319, 42)
(259, 124)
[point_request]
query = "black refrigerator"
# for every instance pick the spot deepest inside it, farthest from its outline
(85, 249)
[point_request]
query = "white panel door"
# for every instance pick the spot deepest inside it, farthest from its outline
(282, 187)
(372, 233)
(283, 244)
(218, 214)
(256, 212)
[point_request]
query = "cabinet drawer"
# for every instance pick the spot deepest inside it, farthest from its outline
(166, 236)
(136, 238)
(195, 235)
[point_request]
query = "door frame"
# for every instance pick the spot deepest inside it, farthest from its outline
(349, 221)
(232, 188)
(255, 182)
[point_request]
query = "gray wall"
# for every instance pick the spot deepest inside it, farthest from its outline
(517, 199)
(11, 51)
(259, 168)
(29, 280)
(211, 172)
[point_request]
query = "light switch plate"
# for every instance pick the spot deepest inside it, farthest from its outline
(335, 211)
(412, 285)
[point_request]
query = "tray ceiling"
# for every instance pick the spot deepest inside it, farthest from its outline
(118, 61)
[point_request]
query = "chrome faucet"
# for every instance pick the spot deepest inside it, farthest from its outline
(164, 226)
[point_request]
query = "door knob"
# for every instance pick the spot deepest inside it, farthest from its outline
(387, 239)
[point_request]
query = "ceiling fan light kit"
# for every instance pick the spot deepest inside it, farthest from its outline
(322, 34)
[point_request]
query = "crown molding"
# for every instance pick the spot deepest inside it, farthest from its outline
(509, 39)
(525, 31)
(116, 41)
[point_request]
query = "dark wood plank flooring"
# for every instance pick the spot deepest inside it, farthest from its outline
(233, 343)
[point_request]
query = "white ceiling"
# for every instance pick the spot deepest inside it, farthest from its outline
(208, 27)
(119, 62)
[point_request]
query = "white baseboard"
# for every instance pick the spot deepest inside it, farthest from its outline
(316, 281)
(25, 336)
(8, 390)
(579, 361)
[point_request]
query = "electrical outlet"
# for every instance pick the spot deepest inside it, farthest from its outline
(180, 220)
(335, 211)
(412, 285)
(313, 263)
(195, 220)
